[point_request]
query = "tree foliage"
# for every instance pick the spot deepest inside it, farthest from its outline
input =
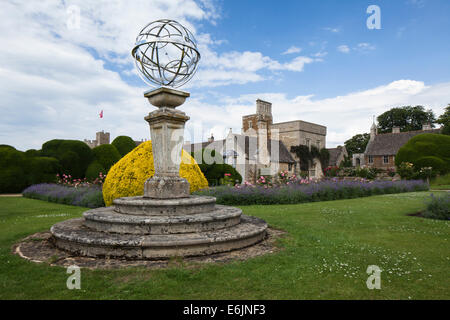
(357, 143)
(407, 118)
(444, 119)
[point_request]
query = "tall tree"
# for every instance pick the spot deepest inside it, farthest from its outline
(357, 143)
(407, 118)
(444, 119)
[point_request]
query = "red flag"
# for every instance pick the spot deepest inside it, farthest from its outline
(101, 114)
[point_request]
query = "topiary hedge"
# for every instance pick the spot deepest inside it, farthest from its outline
(94, 170)
(18, 170)
(124, 144)
(126, 178)
(107, 155)
(426, 150)
(75, 156)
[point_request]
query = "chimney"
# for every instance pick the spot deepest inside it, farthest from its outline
(426, 126)
(396, 130)
(211, 139)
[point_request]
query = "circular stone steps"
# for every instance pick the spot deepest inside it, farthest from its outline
(73, 236)
(107, 220)
(150, 206)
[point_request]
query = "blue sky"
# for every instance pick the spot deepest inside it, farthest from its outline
(314, 60)
(413, 42)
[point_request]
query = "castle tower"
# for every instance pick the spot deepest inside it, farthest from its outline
(263, 113)
(102, 138)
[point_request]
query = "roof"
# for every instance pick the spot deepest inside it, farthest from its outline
(249, 145)
(334, 155)
(386, 144)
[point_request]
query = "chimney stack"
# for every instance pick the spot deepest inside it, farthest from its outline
(211, 139)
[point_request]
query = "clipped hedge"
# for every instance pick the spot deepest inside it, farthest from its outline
(94, 169)
(17, 170)
(75, 156)
(124, 144)
(126, 178)
(426, 150)
(107, 155)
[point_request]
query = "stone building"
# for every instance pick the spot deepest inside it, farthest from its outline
(382, 148)
(102, 137)
(337, 155)
(263, 147)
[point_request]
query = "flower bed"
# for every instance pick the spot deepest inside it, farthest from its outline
(83, 195)
(308, 191)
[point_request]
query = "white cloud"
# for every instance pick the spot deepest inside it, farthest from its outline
(343, 48)
(291, 50)
(333, 30)
(364, 47)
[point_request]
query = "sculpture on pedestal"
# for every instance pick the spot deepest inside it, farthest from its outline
(166, 221)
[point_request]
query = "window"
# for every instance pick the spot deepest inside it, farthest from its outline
(289, 166)
(370, 159)
(250, 124)
(385, 159)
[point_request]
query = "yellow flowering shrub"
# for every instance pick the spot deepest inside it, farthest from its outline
(126, 178)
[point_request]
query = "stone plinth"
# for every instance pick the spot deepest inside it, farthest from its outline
(166, 130)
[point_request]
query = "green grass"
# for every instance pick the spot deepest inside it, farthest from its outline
(325, 256)
(441, 183)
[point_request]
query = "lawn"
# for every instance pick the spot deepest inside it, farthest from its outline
(324, 256)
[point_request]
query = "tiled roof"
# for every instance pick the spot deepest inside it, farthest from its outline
(389, 143)
(334, 155)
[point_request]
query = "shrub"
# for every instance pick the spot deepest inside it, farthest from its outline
(107, 155)
(123, 144)
(94, 170)
(126, 178)
(426, 150)
(215, 173)
(64, 151)
(438, 207)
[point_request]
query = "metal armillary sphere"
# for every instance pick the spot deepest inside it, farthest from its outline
(166, 54)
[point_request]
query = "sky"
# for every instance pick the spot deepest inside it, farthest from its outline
(62, 62)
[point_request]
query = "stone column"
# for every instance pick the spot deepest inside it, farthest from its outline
(167, 131)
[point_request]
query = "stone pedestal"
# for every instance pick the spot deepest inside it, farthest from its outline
(167, 131)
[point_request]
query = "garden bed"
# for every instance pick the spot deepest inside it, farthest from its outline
(84, 196)
(309, 191)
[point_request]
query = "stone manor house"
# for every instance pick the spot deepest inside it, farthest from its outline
(263, 147)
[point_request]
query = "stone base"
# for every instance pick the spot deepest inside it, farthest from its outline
(73, 236)
(166, 188)
(160, 207)
(107, 220)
